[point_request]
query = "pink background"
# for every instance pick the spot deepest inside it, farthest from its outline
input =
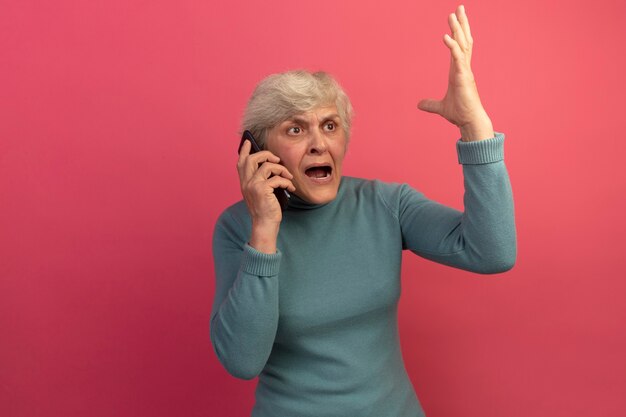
(118, 135)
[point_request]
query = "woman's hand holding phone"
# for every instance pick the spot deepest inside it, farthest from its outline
(259, 174)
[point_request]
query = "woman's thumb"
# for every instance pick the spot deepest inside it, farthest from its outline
(429, 105)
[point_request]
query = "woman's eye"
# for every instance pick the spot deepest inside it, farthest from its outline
(294, 130)
(330, 126)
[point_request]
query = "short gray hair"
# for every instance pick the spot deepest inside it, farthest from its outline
(279, 97)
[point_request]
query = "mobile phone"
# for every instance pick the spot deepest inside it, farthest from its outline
(281, 194)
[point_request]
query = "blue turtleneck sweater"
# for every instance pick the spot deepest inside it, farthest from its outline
(317, 321)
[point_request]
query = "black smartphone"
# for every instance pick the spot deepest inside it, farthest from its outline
(281, 194)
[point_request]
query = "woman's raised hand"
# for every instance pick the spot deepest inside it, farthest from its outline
(461, 105)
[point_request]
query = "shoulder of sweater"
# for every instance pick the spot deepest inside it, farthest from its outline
(389, 193)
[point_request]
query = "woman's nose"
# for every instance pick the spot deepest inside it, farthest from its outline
(318, 142)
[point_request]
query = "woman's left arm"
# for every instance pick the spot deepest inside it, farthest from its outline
(483, 237)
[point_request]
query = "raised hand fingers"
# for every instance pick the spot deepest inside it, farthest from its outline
(457, 54)
(457, 31)
(464, 22)
(461, 42)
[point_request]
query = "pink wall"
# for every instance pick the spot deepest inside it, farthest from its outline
(118, 132)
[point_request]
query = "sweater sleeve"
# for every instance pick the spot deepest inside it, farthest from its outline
(481, 239)
(244, 317)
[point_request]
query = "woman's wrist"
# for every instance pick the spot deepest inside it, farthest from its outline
(480, 129)
(264, 236)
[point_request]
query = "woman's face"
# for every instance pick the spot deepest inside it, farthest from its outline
(311, 146)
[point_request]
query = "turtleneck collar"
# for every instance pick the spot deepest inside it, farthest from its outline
(297, 203)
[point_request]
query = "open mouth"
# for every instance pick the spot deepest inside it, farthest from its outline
(323, 171)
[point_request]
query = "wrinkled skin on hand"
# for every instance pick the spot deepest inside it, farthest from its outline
(461, 104)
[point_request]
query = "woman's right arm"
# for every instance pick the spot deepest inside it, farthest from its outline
(244, 318)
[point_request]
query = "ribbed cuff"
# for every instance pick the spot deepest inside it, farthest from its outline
(481, 151)
(259, 263)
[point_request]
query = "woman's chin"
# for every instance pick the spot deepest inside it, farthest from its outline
(319, 196)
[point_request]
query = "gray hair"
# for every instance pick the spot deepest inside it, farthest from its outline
(281, 96)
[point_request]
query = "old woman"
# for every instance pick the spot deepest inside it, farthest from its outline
(307, 297)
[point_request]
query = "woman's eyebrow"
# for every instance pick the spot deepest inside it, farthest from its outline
(298, 119)
(304, 121)
(330, 116)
